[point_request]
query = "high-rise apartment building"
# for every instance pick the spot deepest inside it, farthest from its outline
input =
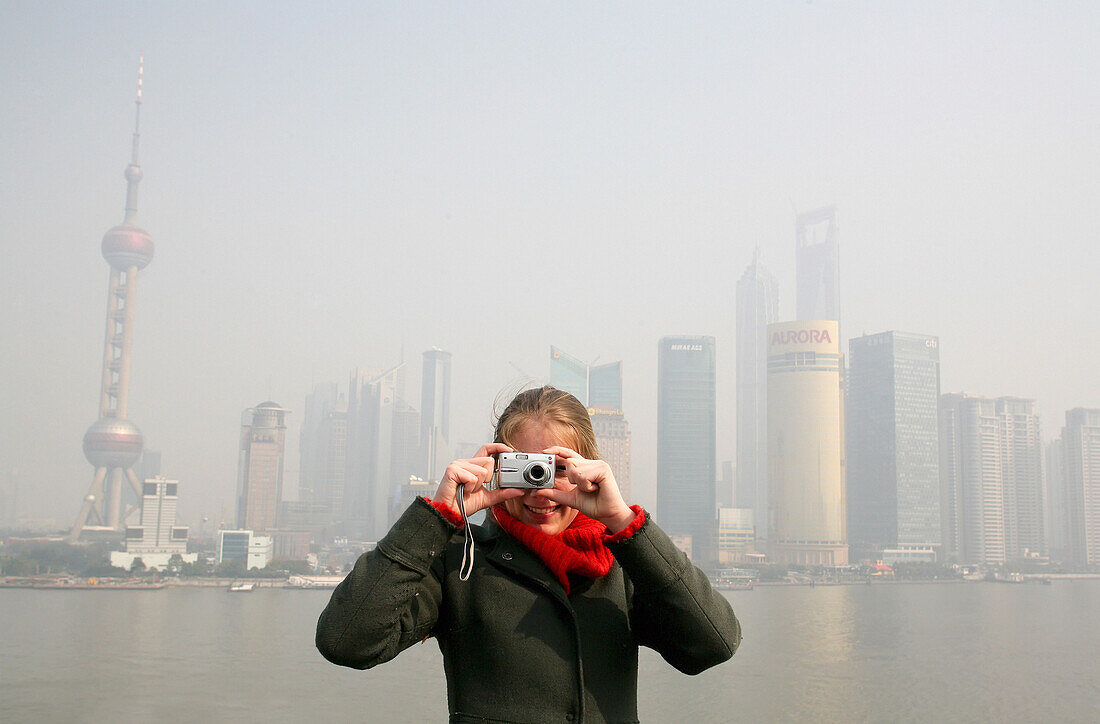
(1081, 465)
(991, 479)
(1055, 521)
(1022, 450)
(435, 414)
(260, 466)
(817, 265)
(757, 307)
(971, 479)
(893, 476)
(686, 442)
(806, 497)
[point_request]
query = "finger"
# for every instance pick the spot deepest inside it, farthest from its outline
(482, 472)
(495, 497)
(562, 452)
(581, 474)
(561, 497)
(491, 448)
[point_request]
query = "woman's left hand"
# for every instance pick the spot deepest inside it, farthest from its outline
(592, 490)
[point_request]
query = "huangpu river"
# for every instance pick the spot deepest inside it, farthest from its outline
(884, 652)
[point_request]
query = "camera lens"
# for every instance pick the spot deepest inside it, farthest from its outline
(535, 474)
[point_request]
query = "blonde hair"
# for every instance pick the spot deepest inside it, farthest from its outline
(552, 405)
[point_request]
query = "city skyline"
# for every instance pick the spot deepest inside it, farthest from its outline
(314, 218)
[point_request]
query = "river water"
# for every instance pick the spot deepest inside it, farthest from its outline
(886, 652)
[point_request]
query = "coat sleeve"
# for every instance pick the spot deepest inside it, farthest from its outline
(675, 610)
(392, 597)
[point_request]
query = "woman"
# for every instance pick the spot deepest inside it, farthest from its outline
(567, 582)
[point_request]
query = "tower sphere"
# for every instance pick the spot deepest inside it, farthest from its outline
(133, 172)
(113, 443)
(127, 245)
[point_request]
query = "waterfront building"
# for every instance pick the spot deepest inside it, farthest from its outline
(686, 443)
(817, 265)
(156, 537)
(1081, 466)
(971, 478)
(255, 551)
(260, 466)
(290, 545)
(757, 307)
(806, 496)
(991, 479)
(892, 462)
(113, 443)
(736, 535)
(435, 415)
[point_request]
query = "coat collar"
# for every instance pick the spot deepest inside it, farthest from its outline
(507, 553)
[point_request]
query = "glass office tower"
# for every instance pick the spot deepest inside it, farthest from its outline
(893, 446)
(686, 442)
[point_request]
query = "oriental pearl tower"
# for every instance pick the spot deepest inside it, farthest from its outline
(113, 444)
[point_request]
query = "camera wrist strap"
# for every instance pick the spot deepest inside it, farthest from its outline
(468, 543)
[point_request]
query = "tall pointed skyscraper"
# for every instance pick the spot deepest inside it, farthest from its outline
(113, 444)
(757, 307)
(817, 265)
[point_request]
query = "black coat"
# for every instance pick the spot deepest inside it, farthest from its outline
(516, 647)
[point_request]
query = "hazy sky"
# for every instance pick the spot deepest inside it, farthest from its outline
(330, 185)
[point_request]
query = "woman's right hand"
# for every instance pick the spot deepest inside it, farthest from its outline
(473, 474)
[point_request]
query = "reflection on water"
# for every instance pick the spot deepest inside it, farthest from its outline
(898, 652)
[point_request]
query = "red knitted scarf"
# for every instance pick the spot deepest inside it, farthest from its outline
(580, 549)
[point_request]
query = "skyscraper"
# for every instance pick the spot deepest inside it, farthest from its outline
(1022, 450)
(817, 265)
(369, 484)
(323, 449)
(893, 477)
(806, 497)
(686, 442)
(991, 474)
(113, 444)
(757, 307)
(1081, 456)
(435, 414)
(1055, 520)
(569, 374)
(260, 467)
(605, 386)
(311, 454)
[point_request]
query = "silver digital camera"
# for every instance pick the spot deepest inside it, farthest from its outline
(523, 470)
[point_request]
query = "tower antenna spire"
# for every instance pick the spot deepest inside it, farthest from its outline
(133, 171)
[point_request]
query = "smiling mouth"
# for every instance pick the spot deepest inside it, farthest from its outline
(542, 510)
